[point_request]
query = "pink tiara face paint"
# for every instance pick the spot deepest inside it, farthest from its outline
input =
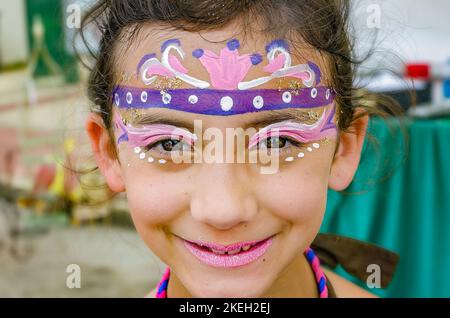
(228, 91)
(228, 69)
(169, 65)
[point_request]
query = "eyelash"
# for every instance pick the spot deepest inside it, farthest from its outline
(289, 142)
(162, 152)
(286, 148)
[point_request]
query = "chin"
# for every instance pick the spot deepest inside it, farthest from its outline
(235, 289)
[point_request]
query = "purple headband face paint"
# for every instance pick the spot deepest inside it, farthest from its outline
(221, 102)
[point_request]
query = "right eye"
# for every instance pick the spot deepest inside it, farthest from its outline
(273, 142)
(167, 146)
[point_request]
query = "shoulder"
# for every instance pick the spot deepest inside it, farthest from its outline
(345, 288)
(152, 294)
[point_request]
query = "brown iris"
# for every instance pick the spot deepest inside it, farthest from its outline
(168, 145)
(275, 142)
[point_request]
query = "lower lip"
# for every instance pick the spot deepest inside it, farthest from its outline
(225, 260)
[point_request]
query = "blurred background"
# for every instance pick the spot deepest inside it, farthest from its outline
(400, 198)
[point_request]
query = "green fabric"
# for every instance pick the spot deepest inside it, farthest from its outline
(401, 201)
(52, 14)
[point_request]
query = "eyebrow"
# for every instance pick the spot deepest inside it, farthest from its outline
(269, 118)
(152, 119)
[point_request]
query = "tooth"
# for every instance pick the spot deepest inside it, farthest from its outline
(217, 251)
(234, 251)
(246, 248)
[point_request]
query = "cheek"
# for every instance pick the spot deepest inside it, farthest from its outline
(296, 196)
(155, 200)
(155, 197)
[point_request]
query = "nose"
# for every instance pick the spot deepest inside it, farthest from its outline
(223, 196)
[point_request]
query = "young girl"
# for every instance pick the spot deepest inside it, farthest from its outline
(225, 122)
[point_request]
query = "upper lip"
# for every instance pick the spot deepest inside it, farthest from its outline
(227, 248)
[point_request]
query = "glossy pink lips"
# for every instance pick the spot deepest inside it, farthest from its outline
(234, 255)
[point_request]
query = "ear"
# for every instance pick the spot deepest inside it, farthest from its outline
(348, 154)
(105, 157)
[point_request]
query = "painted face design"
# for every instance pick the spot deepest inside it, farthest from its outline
(148, 137)
(229, 95)
(180, 140)
(298, 133)
(226, 93)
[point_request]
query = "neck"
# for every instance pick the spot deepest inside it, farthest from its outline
(295, 281)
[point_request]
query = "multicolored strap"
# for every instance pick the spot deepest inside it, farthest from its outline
(161, 291)
(319, 275)
(312, 258)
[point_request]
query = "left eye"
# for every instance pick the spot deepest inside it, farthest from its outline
(275, 143)
(169, 145)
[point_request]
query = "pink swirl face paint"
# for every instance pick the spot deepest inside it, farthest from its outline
(301, 132)
(227, 69)
(147, 135)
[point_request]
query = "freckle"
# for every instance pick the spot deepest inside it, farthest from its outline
(264, 259)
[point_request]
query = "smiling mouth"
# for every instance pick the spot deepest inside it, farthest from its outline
(233, 255)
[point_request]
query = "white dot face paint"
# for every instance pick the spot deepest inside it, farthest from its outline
(129, 98)
(144, 96)
(146, 141)
(147, 138)
(117, 100)
(166, 98)
(327, 94)
(193, 99)
(226, 103)
(258, 102)
(314, 92)
(287, 97)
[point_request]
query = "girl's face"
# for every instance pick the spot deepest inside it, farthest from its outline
(176, 205)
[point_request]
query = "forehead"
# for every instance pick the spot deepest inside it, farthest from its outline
(151, 38)
(226, 73)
